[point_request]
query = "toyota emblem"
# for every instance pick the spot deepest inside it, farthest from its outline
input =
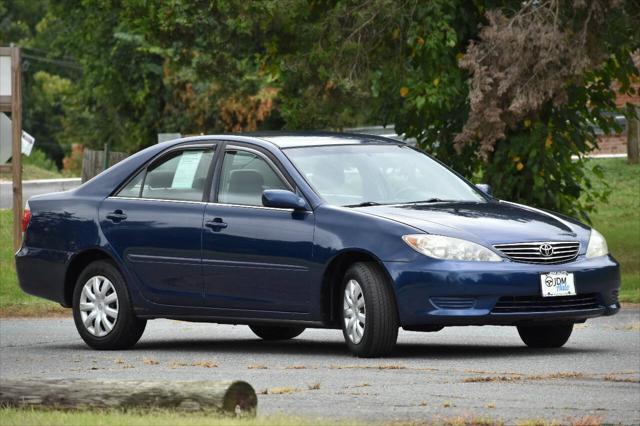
(546, 250)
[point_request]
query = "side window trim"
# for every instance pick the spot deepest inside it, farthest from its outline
(163, 156)
(215, 190)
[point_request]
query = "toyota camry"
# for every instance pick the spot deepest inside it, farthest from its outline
(283, 232)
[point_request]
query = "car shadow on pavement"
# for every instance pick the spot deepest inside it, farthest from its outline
(302, 347)
(468, 351)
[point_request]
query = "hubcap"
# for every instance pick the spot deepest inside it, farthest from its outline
(99, 306)
(354, 311)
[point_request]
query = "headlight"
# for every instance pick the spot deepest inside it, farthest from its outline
(597, 245)
(442, 247)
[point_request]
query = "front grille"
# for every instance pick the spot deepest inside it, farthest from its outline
(545, 253)
(526, 304)
(453, 302)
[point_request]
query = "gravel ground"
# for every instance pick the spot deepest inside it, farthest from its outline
(460, 371)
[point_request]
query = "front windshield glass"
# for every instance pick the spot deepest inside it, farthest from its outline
(350, 175)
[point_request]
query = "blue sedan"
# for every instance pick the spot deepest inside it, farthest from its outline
(287, 231)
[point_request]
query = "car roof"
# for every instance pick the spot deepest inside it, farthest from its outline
(300, 139)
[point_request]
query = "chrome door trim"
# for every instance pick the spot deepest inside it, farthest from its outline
(115, 197)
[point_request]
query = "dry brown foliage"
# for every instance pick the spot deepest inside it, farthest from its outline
(244, 114)
(526, 60)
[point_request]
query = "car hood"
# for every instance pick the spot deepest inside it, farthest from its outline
(495, 222)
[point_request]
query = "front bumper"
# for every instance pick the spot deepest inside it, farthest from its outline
(437, 292)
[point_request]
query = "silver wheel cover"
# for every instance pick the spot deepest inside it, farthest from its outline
(354, 311)
(99, 306)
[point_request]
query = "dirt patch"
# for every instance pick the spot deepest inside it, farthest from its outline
(614, 378)
(522, 377)
(257, 367)
(281, 391)
(488, 379)
(34, 311)
(204, 364)
(368, 367)
(632, 326)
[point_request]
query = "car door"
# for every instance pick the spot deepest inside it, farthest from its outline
(154, 223)
(254, 258)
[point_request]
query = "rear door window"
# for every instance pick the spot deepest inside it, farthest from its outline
(181, 175)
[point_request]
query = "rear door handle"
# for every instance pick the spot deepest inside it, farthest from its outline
(116, 216)
(216, 224)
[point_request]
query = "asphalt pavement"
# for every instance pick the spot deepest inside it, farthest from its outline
(460, 371)
(34, 187)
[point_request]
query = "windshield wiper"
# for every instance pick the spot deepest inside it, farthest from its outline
(364, 204)
(430, 200)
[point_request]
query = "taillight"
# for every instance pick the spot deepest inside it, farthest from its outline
(26, 217)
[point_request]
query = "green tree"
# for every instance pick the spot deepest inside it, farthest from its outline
(507, 90)
(19, 19)
(118, 98)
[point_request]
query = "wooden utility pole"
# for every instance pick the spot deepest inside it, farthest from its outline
(16, 145)
(11, 101)
(633, 133)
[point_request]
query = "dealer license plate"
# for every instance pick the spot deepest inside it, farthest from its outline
(557, 284)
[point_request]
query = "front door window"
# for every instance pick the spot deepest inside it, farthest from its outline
(244, 176)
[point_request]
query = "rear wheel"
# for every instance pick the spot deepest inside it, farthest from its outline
(102, 310)
(268, 332)
(369, 315)
(545, 336)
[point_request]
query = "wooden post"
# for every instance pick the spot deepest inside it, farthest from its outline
(633, 134)
(16, 144)
(105, 164)
(235, 398)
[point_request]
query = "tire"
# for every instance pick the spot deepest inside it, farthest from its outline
(126, 328)
(376, 302)
(545, 336)
(268, 332)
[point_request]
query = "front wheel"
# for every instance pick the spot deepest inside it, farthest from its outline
(274, 332)
(545, 336)
(102, 310)
(369, 314)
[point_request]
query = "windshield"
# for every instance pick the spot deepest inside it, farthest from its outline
(351, 175)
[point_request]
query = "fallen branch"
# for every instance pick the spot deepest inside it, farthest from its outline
(224, 397)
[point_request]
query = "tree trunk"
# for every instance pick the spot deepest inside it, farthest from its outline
(633, 134)
(234, 398)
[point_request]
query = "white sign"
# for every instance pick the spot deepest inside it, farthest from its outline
(186, 170)
(27, 143)
(5, 75)
(5, 140)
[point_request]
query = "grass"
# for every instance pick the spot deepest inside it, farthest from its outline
(31, 417)
(618, 220)
(31, 172)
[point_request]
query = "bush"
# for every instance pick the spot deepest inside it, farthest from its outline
(40, 159)
(72, 163)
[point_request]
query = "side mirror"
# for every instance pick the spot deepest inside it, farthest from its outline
(282, 199)
(486, 188)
